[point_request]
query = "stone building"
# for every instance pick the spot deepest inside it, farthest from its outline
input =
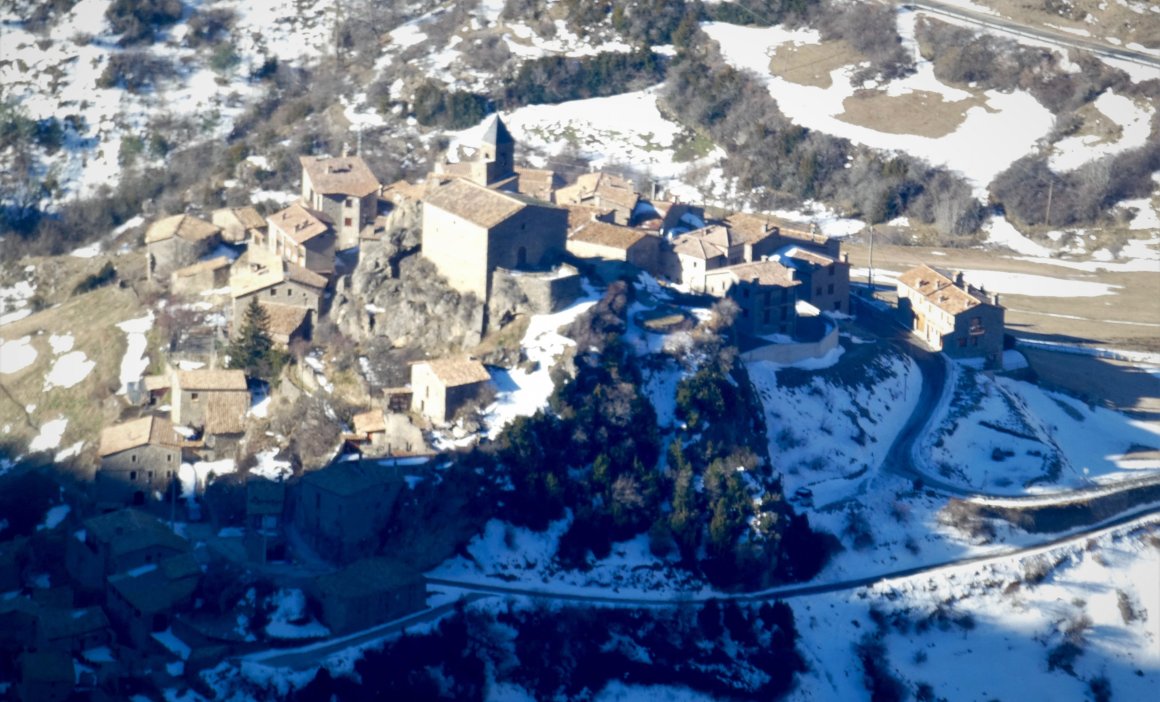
(138, 458)
(340, 510)
(176, 242)
(288, 323)
(951, 315)
(215, 401)
(441, 387)
(344, 190)
(273, 281)
(142, 602)
(470, 230)
(116, 542)
(73, 630)
(369, 592)
(765, 295)
(239, 224)
(614, 243)
(602, 191)
(200, 277)
(45, 676)
(825, 280)
(265, 538)
(303, 236)
(493, 164)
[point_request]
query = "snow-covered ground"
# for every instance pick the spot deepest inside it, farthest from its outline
(1133, 120)
(16, 355)
(1005, 436)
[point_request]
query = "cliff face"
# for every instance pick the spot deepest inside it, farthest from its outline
(397, 294)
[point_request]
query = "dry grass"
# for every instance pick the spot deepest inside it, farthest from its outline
(921, 112)
(1109, 19)
(1097, 124)
(91, 319)
(811, 64)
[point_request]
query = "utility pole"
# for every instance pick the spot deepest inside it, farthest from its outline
(1050, 187)
(870, 270)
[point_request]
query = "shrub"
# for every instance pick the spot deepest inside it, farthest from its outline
(134, 71)
(434, 105)
(554, 79)
(95, 280)
(137, 20)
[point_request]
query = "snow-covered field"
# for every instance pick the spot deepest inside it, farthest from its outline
(1005, 436)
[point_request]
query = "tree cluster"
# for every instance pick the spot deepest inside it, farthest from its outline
(742, 652)
(137, 21)
(554, 79)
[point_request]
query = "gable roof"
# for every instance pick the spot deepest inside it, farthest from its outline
(212, 264)
(247, 216)
(610, 235)
(351, 477)
(366, 577)
(453, 372)
(760, 272)
(182, 226)
(369, 422)
(206, 379)
(225, 412)
(477, 204)
(705, 243)
(160, 588)
(941, 291)
(340, 175)
(129, 530)
(55, 624)
(497, 133)
(579, 215)
(284, 319)
(246, 281)
(300, 223)
(605, 187)
(155, 431)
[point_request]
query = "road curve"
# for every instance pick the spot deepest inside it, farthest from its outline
(1063, 39)
(1144, 516)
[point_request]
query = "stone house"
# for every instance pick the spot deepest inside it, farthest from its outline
(141, 602)
(951, 315)
(138, 458)
(304, 237)
(344, 190)
(178, 241)
(273, 281)
(602, 191)
(239, 224)
(379, 433)
(216, 401)
(825, 280)
(116, 542)
(764, 292)
(469, 231)
(18, 622)
(369, 592)
(210, 274)
(340, 510)
(45, 676)
(688, 257)
(288, 323)
(614, 243)
(265, 538)
(441, 387)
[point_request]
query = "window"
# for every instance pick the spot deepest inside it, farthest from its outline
(838, 305)
(349, 203)
(974, 341)
(273, 292)
(830, 290)
(289, 292)
(831, 270)
(133, 475)
(346, 221)
(745, 293)
(150, 475)
(193, 396)
(818, 290)
(133, 458)
(169, 458)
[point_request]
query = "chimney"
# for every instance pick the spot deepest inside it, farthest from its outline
(845, 257)
(958, 276)
(995, 299)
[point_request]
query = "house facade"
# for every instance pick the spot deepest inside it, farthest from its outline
(345, 191)
(602, 191)
(117, 542)
(214, 400)
(200, 277)
(176, 242)
(138, 458)
(274, 282)
(765, 293)
(239, 224)
(304, 237)
(369, 592)
(441, 387)
(142, 602)
(951, 315)
(340, 510)
(825, 280)
(614, 243)
(470, 230)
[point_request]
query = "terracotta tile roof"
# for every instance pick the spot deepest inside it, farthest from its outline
(751, 227)
(245, 281)
(156, 431)
(129, 530)
(300, 223)
(247, 217)
(453, 372)
(941, 290)
(345, 175)
(579, 215)
(760, 272)
(811, 257)
(369, 422)
(210, 380)
(601, 189)
(705, 243)
(160, 589)
(225, 412)
(212, 264)
(537, 183)
(182, 226)
(153, 383)
(367, 577)
(284, 319)
(477, 204)
(401, 191)
(610, 235)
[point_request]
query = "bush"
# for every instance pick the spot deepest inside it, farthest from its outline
(134, 71)
(138, 20)
(555, 79)
(435, 106)
(96, 280)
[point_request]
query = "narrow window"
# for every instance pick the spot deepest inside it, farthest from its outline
(346, 221)
(133, 475)
(133, 458)
(193, 396)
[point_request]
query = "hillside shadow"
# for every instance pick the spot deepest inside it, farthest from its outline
(1109, 383)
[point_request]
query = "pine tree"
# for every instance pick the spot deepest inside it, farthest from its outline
(252, 349)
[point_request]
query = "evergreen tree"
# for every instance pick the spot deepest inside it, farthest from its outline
(252, 350)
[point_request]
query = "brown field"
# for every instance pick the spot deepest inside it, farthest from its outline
(1110, 19)
(811, 64)
(921, 112)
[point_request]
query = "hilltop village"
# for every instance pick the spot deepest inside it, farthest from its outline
(443, 271)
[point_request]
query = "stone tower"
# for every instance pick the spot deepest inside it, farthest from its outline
(498, 150)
